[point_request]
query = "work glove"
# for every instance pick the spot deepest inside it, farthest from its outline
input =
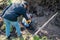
(1, 19)
(28, 21)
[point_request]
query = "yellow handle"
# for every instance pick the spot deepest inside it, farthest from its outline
(28, 21)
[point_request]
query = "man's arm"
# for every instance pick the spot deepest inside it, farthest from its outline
(25, 16)
(27, 19)
(5, 10)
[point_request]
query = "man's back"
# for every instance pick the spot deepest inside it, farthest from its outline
(14, 11)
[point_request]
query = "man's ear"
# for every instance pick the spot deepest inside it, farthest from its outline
(25, 6)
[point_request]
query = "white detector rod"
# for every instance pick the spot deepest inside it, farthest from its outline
(45, 23)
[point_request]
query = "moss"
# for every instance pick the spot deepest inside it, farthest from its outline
(36, 37)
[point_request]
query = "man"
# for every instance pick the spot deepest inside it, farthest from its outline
(10, 16)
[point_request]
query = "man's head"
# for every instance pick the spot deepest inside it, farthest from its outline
(25, 4)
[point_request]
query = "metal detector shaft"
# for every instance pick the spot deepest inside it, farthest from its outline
(45, 24)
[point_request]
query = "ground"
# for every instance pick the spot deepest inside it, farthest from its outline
(51, 31)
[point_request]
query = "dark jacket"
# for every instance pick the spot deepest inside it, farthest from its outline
(13, 11)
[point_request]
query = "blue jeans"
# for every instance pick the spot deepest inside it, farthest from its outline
(8, 25)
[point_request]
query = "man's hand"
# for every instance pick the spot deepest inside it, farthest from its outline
(28, 21)
(1, 19)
